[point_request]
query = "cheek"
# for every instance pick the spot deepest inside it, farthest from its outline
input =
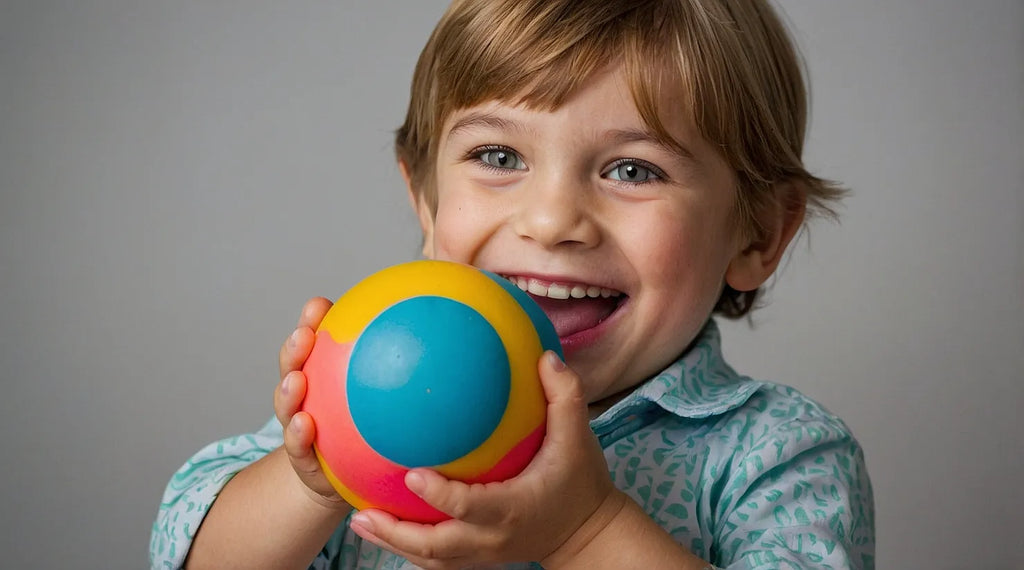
(446, 229)
(682, 261)
(461, 227)
(674, 246)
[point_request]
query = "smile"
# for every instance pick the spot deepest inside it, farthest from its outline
(578, 311)
(561, 290)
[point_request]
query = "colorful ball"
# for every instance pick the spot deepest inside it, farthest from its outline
(426, 364)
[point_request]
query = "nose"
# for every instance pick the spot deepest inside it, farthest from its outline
(556, 212)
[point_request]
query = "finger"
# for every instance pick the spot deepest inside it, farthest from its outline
(288, 396)
(567, 406)
(365, 524)
(298, 443)
(313, 312)
(298, 446)
(478, 504)
(295, 350)
(569, 439)
(443, 544)
(297, 346)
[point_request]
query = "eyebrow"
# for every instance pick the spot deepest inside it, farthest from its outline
(480, 119)
(623, 136)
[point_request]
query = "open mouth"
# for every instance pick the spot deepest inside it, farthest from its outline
(571, 307)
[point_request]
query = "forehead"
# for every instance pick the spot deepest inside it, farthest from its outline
(610, 99)
(606, 91)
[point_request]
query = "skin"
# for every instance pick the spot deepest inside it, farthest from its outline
(579, 195)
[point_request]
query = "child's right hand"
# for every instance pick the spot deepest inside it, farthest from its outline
(299, 428)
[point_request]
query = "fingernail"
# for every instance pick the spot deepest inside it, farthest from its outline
(359, 519)
(293, 339)
(286, 384)
(556, 362)
(415, 482)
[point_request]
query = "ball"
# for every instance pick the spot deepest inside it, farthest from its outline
(426, 364)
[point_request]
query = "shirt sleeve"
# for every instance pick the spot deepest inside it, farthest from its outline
(194, 487)
(799, 498)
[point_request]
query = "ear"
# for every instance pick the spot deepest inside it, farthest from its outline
(423, 212)
(780, 220)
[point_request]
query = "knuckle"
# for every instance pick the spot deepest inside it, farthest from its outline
(309, 469)
(574, 387)
(284, 415)
(430, 553)
(498, 542)
(511, 518)
(459, 508)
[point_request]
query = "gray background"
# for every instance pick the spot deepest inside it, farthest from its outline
(179, 177)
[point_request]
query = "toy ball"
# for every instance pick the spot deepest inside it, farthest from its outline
(426, 364)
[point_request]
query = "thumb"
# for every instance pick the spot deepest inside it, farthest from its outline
(567, 406)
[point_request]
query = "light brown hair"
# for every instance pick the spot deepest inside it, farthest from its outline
(732, 61)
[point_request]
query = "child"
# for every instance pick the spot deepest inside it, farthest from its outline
(635, 165)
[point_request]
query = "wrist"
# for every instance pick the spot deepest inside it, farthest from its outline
(621, 535)
(589, 532)
(328, 502)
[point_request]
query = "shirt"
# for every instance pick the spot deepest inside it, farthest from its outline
(746, 474)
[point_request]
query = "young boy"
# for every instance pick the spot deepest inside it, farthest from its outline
(634, 165)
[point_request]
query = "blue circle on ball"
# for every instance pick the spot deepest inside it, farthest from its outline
(428, 381)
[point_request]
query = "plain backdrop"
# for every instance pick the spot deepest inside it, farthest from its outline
(179, 177)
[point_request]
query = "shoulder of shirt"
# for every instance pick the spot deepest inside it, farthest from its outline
(701, 387)
(776, 424)
(778, 407)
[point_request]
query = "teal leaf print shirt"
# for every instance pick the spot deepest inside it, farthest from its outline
(745, 474)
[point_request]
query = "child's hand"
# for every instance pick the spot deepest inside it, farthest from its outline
(554, 507)
(298, 426)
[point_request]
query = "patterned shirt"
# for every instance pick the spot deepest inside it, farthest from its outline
(746, 474)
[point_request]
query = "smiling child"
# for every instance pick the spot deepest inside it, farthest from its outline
(636, 167)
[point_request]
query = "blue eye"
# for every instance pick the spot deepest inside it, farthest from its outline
(632, 171)
(501, 158)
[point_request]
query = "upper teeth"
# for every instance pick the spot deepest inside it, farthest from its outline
(561, 291)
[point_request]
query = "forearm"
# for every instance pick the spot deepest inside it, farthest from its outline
(622, 535)
(264, 517)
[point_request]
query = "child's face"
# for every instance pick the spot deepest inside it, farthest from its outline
(584, 198)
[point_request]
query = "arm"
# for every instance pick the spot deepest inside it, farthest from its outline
(265, 517)
(195, 486)
(797, 497)
(800, 498)
(625, 537)
(283, 499)
(276, 507)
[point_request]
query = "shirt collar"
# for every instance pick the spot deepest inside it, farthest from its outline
(697, 385)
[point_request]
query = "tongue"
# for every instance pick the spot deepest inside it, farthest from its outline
(571, 316)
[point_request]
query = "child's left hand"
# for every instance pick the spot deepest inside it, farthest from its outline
(557, 504)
